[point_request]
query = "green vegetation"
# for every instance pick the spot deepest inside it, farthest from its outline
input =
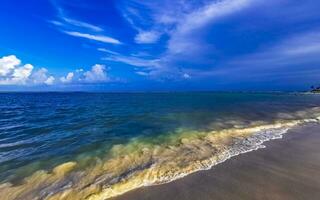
(315, 89)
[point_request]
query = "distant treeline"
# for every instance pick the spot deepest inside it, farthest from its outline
(315, 88)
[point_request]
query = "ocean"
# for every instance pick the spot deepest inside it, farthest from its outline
(101, 145)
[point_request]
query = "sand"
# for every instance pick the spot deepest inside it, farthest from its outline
(287, 168)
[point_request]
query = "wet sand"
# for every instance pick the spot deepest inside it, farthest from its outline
(287, 168)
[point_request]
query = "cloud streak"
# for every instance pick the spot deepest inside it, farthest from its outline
(80, 29)
(99, 38)
(296, 56)
(82, 24)
(134, 61)
(298, 49)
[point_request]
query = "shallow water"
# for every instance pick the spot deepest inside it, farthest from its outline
(99, 145)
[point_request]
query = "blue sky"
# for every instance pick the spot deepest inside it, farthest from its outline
(133, 45)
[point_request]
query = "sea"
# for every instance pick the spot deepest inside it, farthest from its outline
(83, 145)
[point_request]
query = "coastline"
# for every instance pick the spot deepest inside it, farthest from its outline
(286, 169)
(179, 157)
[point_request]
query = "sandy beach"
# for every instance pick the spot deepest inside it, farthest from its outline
(287, 168)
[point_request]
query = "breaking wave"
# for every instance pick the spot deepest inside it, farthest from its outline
(150, 161)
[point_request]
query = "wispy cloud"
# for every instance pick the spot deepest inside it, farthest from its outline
(69, 22)
(82, 24)
(177, 19)
(107, 51)
(295, 56)
(180, 21)
(134, 61)
(185, 25)
(99, 38)
(182, 37)
(146, 37)
(210, 12)
(141, 73)
(142, 17)
(81, 29)
(56, 23)
(298, 49)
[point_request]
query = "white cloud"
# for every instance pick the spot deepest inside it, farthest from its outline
(66, 21)
(144, 16)
(57, 23)
(296, 56)
(146, 37)
(211, 12)
(178, 19)
(99, 38)
(50, 80)
(298, 49)
(134, 61)
(182, 23)
(96, 74)
(82, 24)
(102, 49)
(14, 73)
(186, 76)
(41, 77)
(68, 78)
(107, 51)
(182, 37)
(21, 74)
(142, 73)
(7, 64)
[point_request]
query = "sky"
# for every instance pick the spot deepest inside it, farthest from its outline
(163, 45)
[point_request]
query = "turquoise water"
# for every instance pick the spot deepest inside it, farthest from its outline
(127, 134)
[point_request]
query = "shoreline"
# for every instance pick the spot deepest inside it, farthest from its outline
(259, 136)
(242, 173)
(238, 142)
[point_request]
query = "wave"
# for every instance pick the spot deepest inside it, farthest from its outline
(151, 161)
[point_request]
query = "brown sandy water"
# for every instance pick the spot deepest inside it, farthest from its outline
(286, 169)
